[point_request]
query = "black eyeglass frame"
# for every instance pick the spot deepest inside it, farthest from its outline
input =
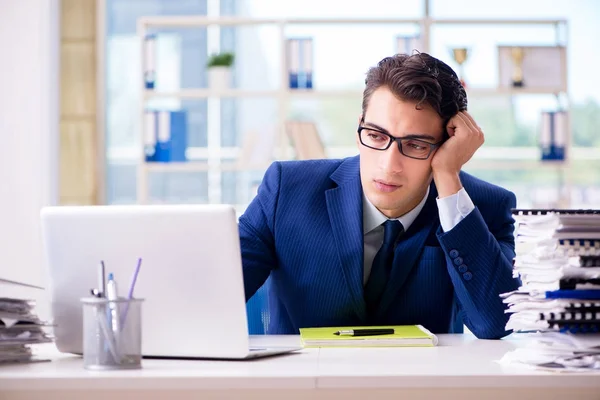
(399, 140)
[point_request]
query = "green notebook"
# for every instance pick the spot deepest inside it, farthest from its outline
(403, 336)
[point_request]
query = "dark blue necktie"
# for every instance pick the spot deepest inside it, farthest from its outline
(382, 265)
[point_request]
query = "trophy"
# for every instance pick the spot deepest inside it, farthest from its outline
(460, 56)
(517, 54)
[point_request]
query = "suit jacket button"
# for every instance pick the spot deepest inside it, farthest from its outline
(458, 261)
(462, 268)
(467, 276)
(453, 253)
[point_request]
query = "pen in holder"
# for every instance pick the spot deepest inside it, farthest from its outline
(110, 341)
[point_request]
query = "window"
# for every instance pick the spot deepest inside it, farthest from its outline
(342, 55)
(180, 62)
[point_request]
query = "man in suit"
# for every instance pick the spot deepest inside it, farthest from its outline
(396, 235)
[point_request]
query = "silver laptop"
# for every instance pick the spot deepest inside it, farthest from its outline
(190, 277)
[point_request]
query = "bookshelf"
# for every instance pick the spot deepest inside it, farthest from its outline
(215, 160)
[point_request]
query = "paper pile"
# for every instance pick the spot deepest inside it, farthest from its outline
(19, 329)
(557, 352)
(558, 262)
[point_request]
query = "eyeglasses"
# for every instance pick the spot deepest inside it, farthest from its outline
(413, 148)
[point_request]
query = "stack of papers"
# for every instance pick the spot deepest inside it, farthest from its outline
(403, 336)
(557, 352)
(558, 263)
(19, 329)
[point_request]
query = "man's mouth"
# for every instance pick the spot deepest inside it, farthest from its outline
(384, 186)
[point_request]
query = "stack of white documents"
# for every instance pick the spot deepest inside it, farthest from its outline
(20, 328)
(557, 352)
(558, 263)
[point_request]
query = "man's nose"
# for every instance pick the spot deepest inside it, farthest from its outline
(391, 160)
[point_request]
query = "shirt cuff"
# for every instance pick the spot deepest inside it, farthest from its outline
(454, 208)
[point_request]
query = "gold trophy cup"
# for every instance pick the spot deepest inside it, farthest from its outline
(517, 54)
(460, 55)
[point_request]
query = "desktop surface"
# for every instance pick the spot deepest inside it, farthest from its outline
(460, 364)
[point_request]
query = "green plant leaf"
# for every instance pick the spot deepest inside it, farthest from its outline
(221, 60)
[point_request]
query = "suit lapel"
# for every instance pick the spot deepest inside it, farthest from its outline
(409, 248)
(344, 205)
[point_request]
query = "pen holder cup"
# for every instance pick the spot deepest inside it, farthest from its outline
(112, 333)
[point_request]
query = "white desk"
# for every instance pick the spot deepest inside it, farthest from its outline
(461, 367)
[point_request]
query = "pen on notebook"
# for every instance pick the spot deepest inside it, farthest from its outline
(365, 332)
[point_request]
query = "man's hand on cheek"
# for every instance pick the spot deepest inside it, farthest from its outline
(465, 138)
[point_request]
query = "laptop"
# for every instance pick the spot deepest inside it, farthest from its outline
(190, 278)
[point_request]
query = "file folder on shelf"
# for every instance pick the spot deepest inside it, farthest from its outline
(166, 136)
(300, 63)
(554, 133)
(150, 61)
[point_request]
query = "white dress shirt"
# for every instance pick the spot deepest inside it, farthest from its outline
(452, 209)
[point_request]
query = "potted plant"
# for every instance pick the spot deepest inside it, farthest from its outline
(219, 70)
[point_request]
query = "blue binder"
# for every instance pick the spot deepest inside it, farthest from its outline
(149, 66)
(553, 135)
(170, 145)
(300, 63)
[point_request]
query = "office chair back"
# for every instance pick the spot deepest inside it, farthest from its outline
(258, 311)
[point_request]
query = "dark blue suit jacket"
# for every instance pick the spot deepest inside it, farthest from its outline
(304, 230)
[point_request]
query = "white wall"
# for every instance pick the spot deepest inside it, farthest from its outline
(29, 131)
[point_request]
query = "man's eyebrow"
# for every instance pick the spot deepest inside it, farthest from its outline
(372, 125)
(420, 136)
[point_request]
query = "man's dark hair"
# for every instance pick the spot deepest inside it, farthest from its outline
(418, 78)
